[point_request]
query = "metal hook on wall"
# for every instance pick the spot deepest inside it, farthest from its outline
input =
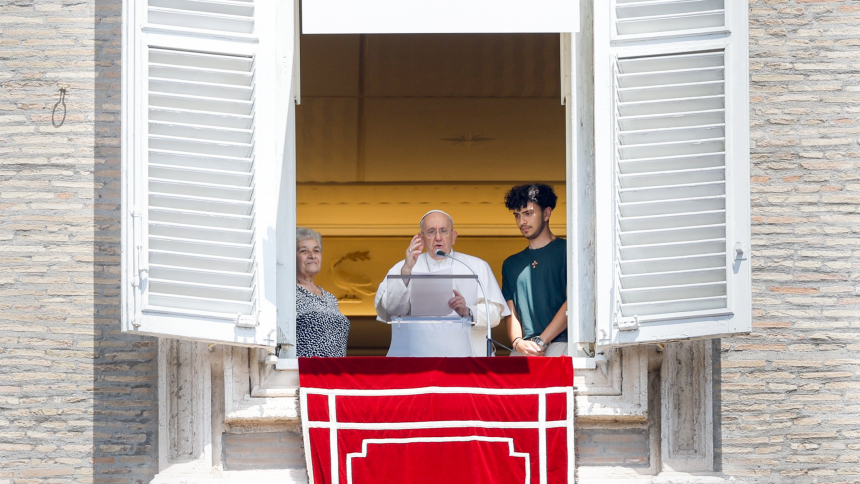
(54, 111)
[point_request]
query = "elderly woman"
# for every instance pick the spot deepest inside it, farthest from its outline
(321, 329)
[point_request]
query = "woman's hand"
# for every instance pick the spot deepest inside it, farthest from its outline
(416, 246)
(458, 303)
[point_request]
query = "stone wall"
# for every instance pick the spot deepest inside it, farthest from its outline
(609, 446)
(790, 392)
(77, 398)
(264, 450)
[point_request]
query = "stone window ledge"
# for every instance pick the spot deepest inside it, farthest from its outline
(586, 475)
(280, 476)
(621, 475)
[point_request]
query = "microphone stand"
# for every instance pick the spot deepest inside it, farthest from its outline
(441, 253)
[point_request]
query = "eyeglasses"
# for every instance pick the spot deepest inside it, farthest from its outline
(432, 232)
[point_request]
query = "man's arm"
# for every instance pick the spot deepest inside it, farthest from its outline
(412, 254)
(394, 298)
(556, 326)
(479, 310)
(515, 330)
(391, 298)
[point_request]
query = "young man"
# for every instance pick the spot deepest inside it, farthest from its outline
(534, 281)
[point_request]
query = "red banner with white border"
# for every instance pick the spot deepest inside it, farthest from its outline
(437, 420)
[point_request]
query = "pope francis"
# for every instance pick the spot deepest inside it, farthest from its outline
(440, 338)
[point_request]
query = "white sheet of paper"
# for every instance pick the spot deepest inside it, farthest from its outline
(429, 297)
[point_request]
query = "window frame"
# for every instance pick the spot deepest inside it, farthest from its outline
(575, 47)
(579, 80)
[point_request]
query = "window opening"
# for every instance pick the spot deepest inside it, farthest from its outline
(391, 126)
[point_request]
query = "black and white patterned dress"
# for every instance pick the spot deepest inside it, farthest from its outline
(321, 330)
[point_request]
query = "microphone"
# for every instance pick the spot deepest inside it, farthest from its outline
(490, 340)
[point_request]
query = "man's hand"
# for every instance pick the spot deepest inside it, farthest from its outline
(528, 348)
(416, 246)
(458, 303)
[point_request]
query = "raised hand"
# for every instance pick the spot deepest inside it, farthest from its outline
(416, 246)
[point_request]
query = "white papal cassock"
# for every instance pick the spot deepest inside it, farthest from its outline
(442, 338)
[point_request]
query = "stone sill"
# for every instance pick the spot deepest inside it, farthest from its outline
(621, 475)
(586, 475)
(279, 476)
(281, 406)
(264, 411)
(287, 364)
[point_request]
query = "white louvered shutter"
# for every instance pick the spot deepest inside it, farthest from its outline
(202, 155)
(672, 170)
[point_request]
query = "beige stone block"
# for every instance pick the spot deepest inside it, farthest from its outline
(768, 450)
(826, 141)
(771, 375)
(6, 447)
(843, 385)
(6, 130)
(841, 362)
(821, 301)
(56, 206)
(807, 421)
(20, 20)
(845, 421)
(797, 363)
(827, 374)
(822, 472)
(737, 450)
(742, 363)
(781, 387)
(48, 472)
(813, 435)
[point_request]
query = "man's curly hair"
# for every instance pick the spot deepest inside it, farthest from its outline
(538, 193)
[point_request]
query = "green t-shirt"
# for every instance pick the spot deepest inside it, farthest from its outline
(536, 281)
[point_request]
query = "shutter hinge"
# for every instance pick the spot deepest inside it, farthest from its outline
(629, 325)
(136, 279)
(248, 320)
(142, 270)
(134, 315)
(133, 320)
(740, 253)
(141, 276)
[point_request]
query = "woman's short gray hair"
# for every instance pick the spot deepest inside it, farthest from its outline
(304, 233)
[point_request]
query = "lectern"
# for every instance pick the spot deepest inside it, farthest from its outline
(429, 305)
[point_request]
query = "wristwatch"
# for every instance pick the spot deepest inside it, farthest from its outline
(539, 342)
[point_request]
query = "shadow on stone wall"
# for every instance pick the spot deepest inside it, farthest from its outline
(125, 419)
(717, 371)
